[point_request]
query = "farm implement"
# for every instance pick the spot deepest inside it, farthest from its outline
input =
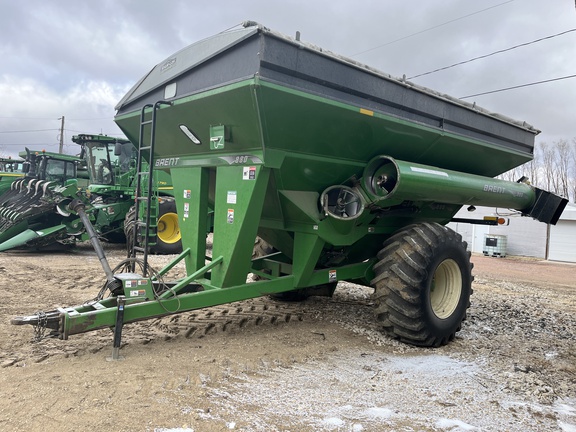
(35, 213)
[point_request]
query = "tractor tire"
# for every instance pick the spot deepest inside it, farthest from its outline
(168, 240)
(423, 283)
(168, 237)
(262, 248)
(130, 227)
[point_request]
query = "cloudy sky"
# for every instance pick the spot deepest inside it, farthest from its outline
(77, 59)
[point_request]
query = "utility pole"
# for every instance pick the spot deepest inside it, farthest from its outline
(61, 135)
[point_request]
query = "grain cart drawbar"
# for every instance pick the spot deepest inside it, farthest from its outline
(348, 173)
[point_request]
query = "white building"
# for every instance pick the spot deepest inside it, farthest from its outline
(524, 236)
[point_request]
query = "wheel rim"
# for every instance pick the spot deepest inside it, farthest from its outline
(446, 289)
(168, 229)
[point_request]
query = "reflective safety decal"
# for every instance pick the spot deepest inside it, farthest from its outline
(187, 193)
(230, 216)
(332, 276)
(186, 210)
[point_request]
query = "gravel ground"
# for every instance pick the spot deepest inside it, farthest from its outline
(320, 365)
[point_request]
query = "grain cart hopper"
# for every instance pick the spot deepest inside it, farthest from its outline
(348, 173)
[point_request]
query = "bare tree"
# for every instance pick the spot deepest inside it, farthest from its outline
(573, 169)
(562, 167)
(548, 181)
(553, 168)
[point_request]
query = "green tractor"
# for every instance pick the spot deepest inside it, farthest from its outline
(10, 170)
(347, 173)
(112, 164)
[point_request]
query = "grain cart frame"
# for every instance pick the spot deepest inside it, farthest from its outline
(349, 173)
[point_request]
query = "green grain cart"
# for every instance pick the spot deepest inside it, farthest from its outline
(347, 173)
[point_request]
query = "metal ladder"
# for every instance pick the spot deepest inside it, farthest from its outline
(144, 191)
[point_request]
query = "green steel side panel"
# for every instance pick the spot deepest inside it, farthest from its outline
(312, 126)
(232, 106)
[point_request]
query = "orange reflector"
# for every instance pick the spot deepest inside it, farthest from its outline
(497, 220)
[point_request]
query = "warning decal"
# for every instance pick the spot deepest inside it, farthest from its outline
(249, 173)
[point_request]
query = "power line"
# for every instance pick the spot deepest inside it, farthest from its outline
(32, 130)
(519, 86)
(50, 118)
(430, 28)
(28, 118)
(493, 53)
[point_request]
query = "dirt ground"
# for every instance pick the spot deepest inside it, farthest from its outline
(263, 365)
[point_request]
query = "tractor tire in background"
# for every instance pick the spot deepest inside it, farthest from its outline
(168, 237)
(423, 283)
(130, 227)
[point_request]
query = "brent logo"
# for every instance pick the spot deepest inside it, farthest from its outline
(167, 162)
(168, 64)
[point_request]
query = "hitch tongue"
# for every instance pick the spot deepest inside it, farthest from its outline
(40, 321)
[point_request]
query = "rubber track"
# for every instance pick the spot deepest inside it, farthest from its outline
(229, 318)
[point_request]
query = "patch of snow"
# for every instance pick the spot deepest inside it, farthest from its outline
(551, 355)
(378, 412)
(454, 425)
(566, 427)
(562, 408)
(380, 391)
(333, 421)
(173, 430)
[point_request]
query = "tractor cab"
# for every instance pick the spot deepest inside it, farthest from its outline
(58, 168)
(109, 161)
(9, 165)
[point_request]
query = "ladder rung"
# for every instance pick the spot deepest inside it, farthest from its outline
(145, 148)
(142, 198)
(147, 122)
(139, 249)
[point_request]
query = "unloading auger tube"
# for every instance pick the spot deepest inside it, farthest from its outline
(387, 182)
